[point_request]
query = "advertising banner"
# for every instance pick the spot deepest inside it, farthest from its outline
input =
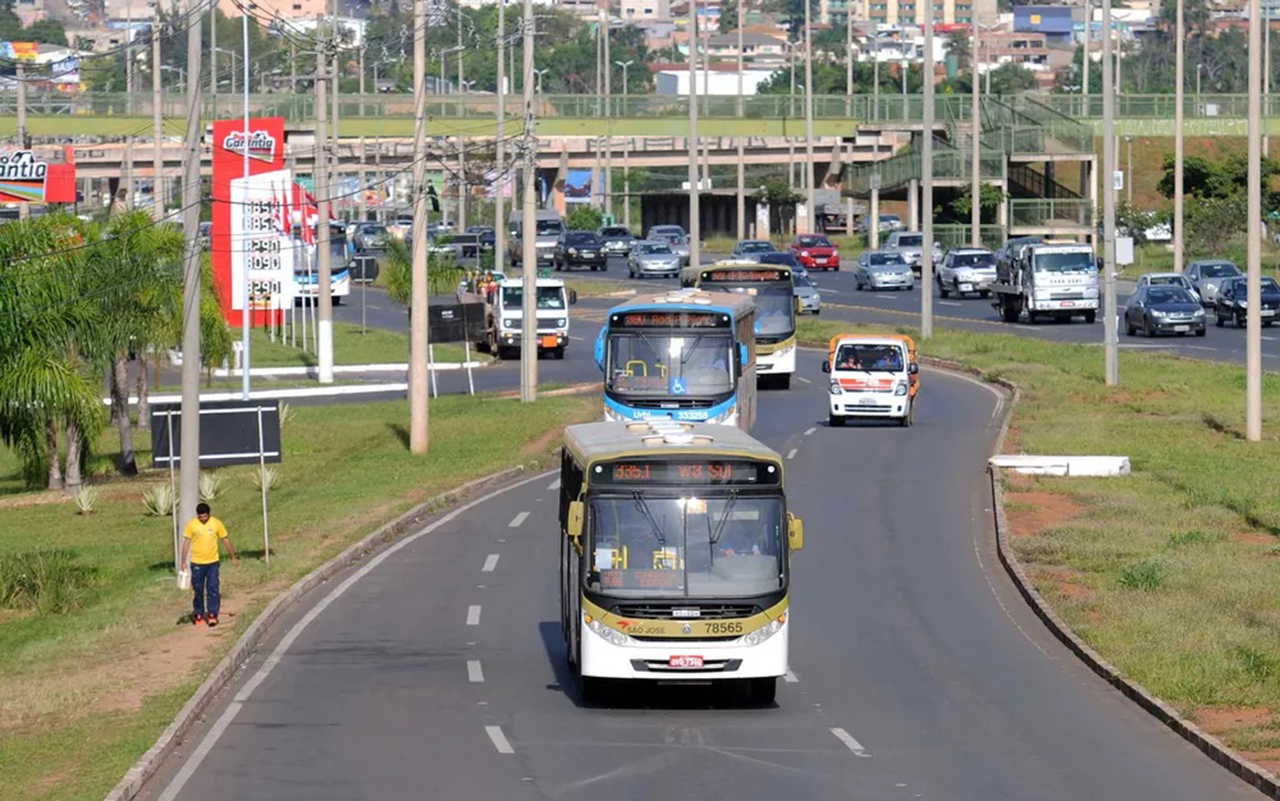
(23, 177)
(265, 142)
(260, 242)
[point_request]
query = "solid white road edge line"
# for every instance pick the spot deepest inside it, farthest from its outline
(473, 615)
(518, 519)
(490, 562)
(850, 743)
(211, 738)
(475, 674)
(499, 739)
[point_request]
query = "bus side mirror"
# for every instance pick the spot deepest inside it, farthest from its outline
(826, 366)
(600, 348)
(913, 369)
(795, 532)
(573, 297)
(573, 526)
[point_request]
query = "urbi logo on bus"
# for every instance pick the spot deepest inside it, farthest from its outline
(262, 145)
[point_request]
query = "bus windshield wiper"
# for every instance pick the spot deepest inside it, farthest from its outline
(648, 516)
(724, 517)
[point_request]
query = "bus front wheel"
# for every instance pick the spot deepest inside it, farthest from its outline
(762, 691)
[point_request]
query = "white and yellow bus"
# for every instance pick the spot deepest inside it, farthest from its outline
(675, 556)
(772, 288)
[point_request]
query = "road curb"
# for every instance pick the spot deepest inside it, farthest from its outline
(248, 642)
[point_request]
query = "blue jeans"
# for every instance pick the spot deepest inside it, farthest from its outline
(204, 581)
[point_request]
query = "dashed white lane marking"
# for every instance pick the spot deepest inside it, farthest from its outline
(802, 379)
(949, 303)
(553, 486)
(850, 743)
(1201, 347)
(473, 615)
(499, 739)
(790, 677)
(475, 674)
(809, 431)
(1270, 339)
(490, 562)
(791, 454)
(517, 520)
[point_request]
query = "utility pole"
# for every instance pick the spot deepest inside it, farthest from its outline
(741, 88)
(213, 59)
(975, 157)
(1109, 324)
(157, 119)
(742, 191)
(1178, 147)
(462, 140)
(695, 228)
(607, 66)
(418, 370)
(361, 185)
(1084, 61)
(529, 227)
(189, 494)
(1253, 281)
(811, 217)
(926, 246)
(1265, 10)
(500, 167)
(626, 182)
(24, 208)
(848, 77)
(325, 299)
(337, 92)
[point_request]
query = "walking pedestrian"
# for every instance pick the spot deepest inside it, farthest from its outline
(200, 556)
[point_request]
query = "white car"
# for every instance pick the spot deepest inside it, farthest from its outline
(965, 270)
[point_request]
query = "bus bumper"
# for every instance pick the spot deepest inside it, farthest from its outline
(650, 661)
(780, 361)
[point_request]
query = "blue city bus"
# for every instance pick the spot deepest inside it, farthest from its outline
(686, 355)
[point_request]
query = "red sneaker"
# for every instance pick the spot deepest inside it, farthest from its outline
(213, 621)
(196, 620)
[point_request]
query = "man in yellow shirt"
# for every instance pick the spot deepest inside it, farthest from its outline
(200, 553)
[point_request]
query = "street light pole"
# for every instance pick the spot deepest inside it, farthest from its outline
(975, 214)
(926, 158)
(1128, 170)
(848, 72)
(1111, 344)
(1253, 281)
(810, 218)
(500, 166)
(419, 378)
(695, 228)
(528, 225)
(1178, 147)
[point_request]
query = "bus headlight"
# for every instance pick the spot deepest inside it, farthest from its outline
(836, 388)
(901, 389)
(607, 634)
(764, 632)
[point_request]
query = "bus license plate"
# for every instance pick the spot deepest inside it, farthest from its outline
(685, 662)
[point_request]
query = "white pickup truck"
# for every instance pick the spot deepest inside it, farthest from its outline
(1047, 280)
(504, 316)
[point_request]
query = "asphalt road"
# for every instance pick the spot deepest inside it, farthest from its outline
(437, 671)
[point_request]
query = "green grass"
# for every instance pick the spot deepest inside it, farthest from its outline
(81, 693)
(1174, 569)
(350, 346)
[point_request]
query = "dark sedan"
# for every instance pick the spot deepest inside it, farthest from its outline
(579, 249)
(1232, 302)
(1163, 309)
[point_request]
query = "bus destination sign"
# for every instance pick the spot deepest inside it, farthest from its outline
(696, 472)
(669, 319)
(725, 276)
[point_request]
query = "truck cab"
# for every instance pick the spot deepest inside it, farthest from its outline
(1057, 280)
(505, 317)
(549, 225)
(872, 377)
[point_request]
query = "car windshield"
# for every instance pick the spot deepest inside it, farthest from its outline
(780, 258)
(674, 239)
(1160, 295)
(814, 242)
(373, 230)
(889, 218)
(659, 248)
(1079, 261)
(754, 247)
(1242, 286)
(913, 241)
(686, 547)
(549, 227)
(670, 364)
(1159, 280)
(802, 279)
(549, 297)
(1218, 270)
(581, 239)
(974, 260)
(884, 259)
(614, 232)
(885, 358)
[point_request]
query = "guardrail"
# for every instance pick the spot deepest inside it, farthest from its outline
(949, 164)
(1063, 212)
(957, 236)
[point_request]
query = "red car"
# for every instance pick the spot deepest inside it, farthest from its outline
(815, 252)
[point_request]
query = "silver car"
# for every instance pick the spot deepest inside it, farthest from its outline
(749, 248)
(807, 294)
(883, 270)
(965, 270)
(652, 259)
(674, 236)
(1208, 276)
(909, 244)
(617, 240)
(1174, 279)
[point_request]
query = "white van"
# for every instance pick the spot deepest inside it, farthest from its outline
(871, 376)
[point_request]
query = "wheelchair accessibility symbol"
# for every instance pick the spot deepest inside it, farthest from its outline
(679, 386)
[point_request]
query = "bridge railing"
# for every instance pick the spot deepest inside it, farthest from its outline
(1039, 213)
(957, 236)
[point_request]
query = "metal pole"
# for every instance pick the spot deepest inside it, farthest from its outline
(741, 87)
(975, 171)
(157, 120)
(1128, 170)
(246, 313)
(529, 227)
(418, 389)
(810, 205)
(875, 82)
(606, 67)
(1178, 146)
(626, 187)
(1084, 61)
(190, 446)
(500, 160)
(1253, 281)
(213, 58)
(1265, 9)
(324, 330)
(262, 474)
(361, 186)
(695, 227)
(1111, 344)
(463, 186)
(848, 76)
(742, 197)
(926, 246)
(337, 92)
(24, 208)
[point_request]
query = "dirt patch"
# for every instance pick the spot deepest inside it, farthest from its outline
(1268, 760)
(1254, 538)
(1230, 718)
(1031, 512)
(1124, 397)
(543, 443)
(1065, 581)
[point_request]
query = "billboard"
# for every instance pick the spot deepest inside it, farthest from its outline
(265, 143)
(19, 51)
(577, 186)
(26, 178)
(261, 243)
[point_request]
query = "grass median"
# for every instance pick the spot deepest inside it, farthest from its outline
(1171, 573)
(350, 346)
(94, 660)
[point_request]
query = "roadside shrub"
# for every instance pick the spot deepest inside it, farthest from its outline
(86, 498)
(210, 487)
(48, 581)
(1147, 575)
(158, 501)
(268, 477)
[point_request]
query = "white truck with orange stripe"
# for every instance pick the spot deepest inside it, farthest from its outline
(872, 377)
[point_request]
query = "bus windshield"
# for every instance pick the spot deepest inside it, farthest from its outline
(775, 311)
(687, 547)
(549, 297)
(666, 364)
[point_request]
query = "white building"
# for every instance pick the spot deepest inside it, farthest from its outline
(716, 82)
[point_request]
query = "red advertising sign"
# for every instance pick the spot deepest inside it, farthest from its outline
(265, 139)
(26, 178)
